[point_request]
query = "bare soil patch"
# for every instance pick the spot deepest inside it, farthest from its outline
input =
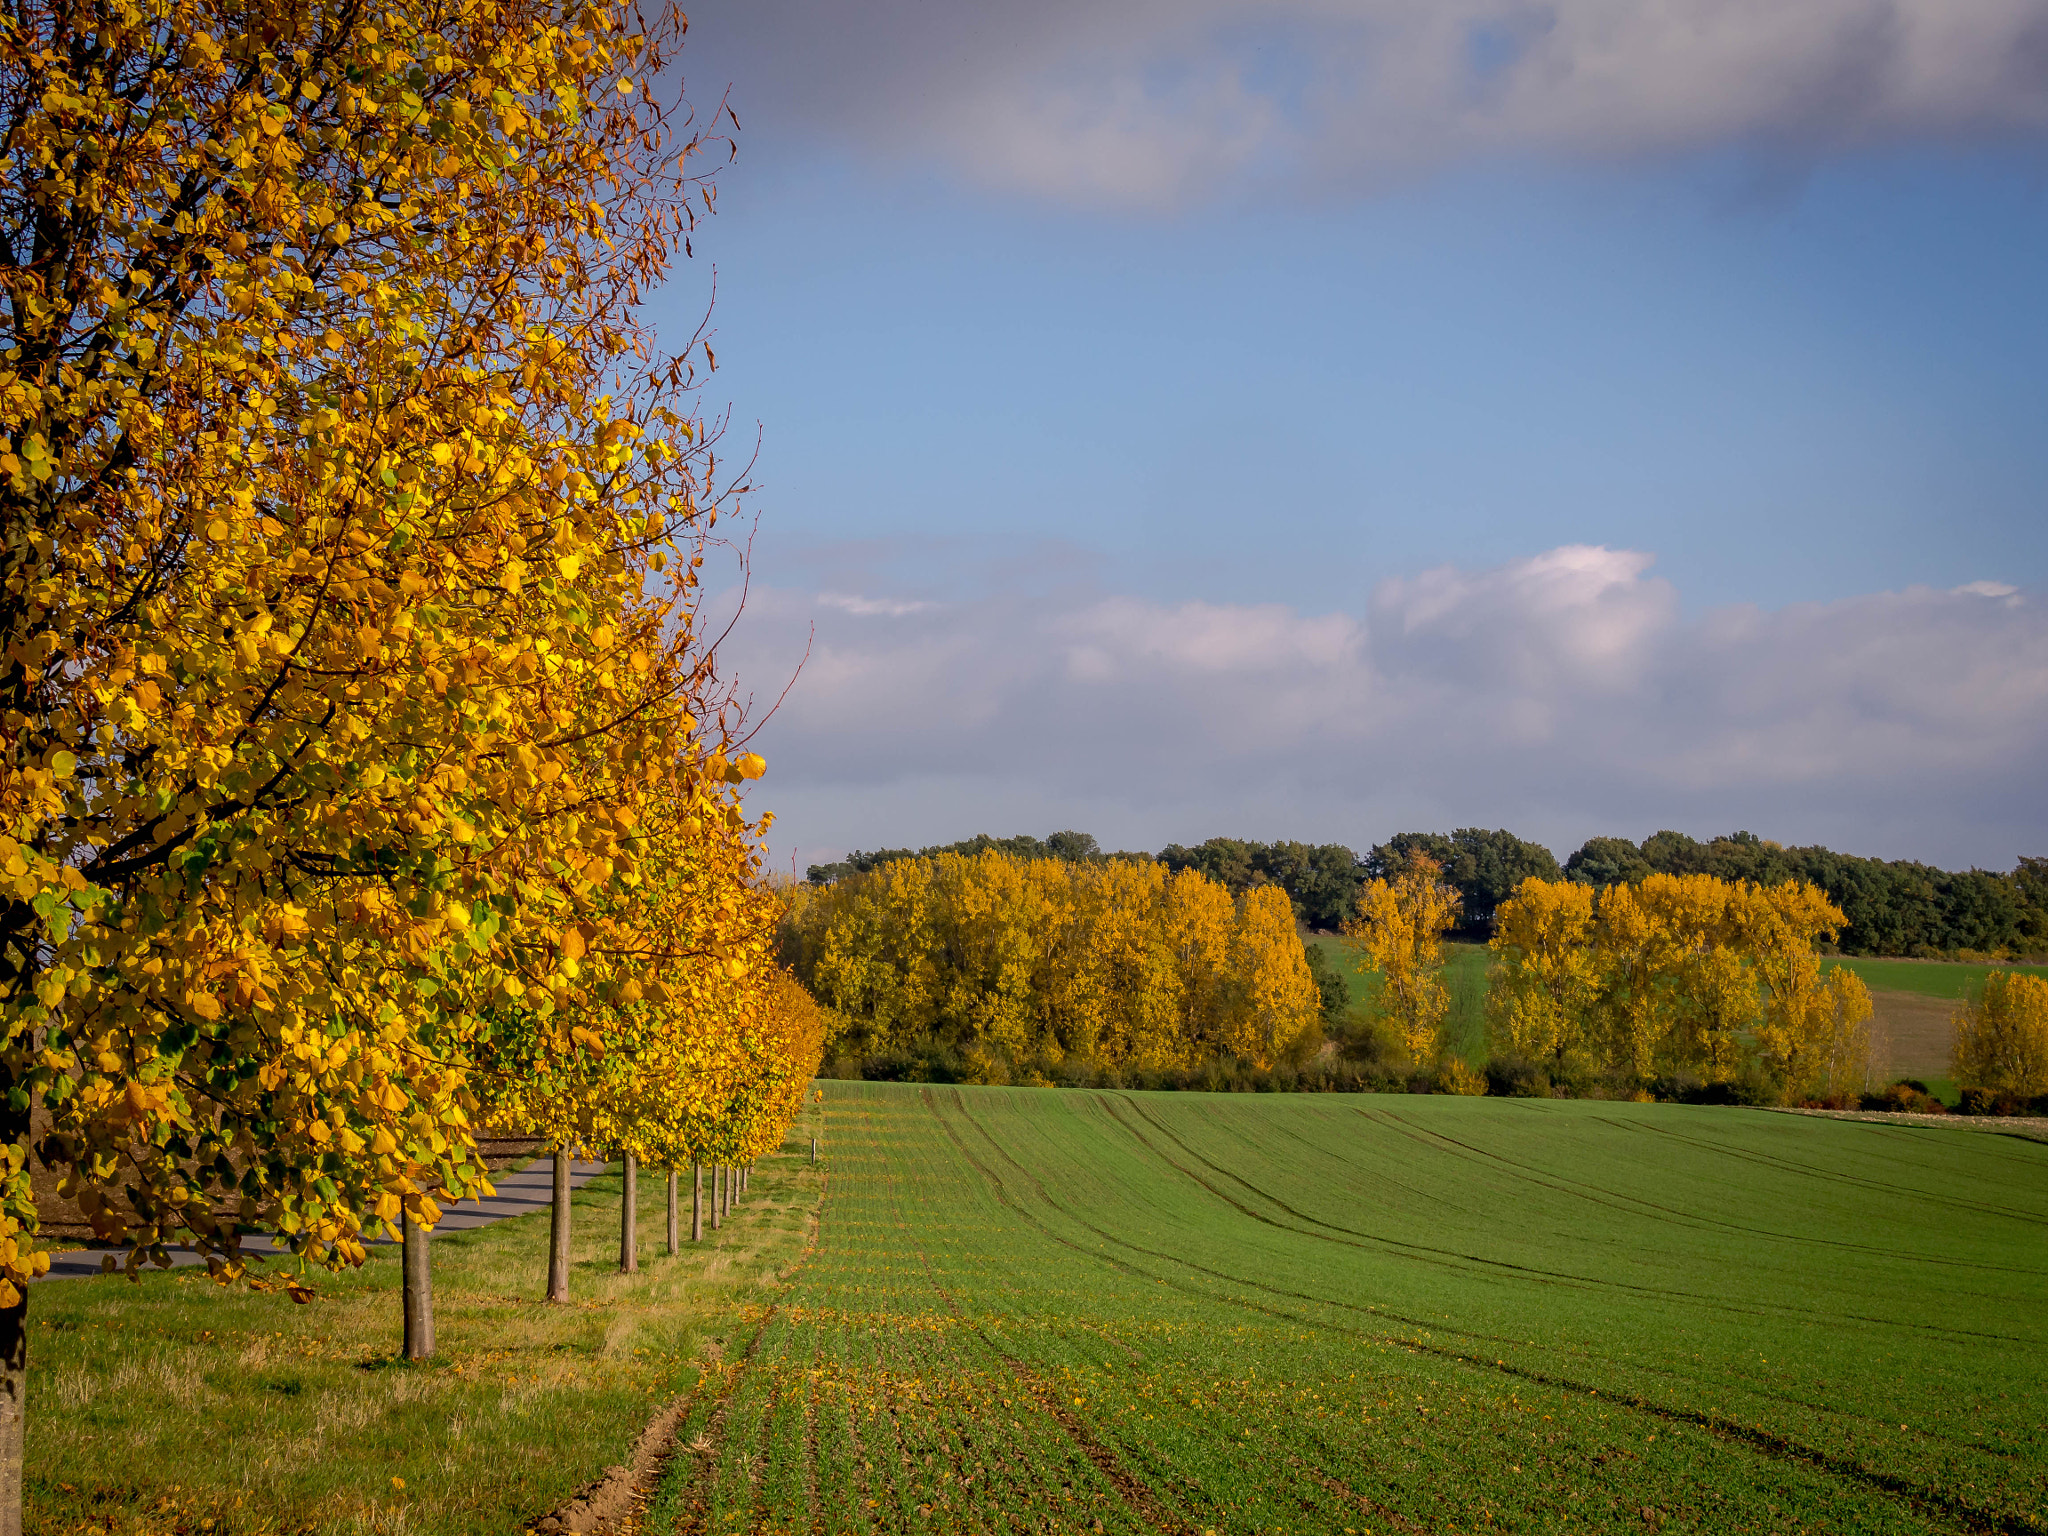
(1911, 1037)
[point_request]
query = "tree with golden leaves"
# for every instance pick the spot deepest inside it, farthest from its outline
(1113, 961)
(2000, 1041)
(1815, 1030)
(1546, 976)
(1682, 972)
(1400, 924)
(336, 476)
(670, 969)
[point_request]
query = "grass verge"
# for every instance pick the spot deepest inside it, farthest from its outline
(176, 1406)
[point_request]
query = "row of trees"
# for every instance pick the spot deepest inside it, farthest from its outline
(1674, 973)
(362, 775)
(1113, 960)
(1888, 908)
(1681, 973)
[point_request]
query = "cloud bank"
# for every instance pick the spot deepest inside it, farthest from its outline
(1156, 102)
(1562, 695)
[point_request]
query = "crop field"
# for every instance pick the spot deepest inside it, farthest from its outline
(1949, 980)
(1035, 1310)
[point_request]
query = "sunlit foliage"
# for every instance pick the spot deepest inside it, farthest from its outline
(2001, 1036)
(1399, 926)
(1116, 961)
(348, 526)
(1680, 972)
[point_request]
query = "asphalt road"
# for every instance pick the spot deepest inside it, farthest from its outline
(518, 1194)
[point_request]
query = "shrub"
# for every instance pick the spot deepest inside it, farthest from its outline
(1516, 1077)
(1456, 1077)
(1991, 1101)
(1906, 1096)
(1686, 1088)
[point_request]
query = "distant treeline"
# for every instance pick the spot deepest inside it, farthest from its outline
(1893, 907)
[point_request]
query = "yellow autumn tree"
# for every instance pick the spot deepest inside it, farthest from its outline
(2000, 1037)
(1682, 972)
(336, 473)
(1814, 1034)
(649, 984)
(1400, 924)
(1198, 919)
(1278, 1014)
(1112, 961)
(1707, 993)
(1633, 952)
(1540, 999)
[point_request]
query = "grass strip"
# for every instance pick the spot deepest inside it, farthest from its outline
(174, 1405)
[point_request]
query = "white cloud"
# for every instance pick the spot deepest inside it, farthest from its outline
(1151, 102)
(871, 607)
(1993, 589)
(1563, 695)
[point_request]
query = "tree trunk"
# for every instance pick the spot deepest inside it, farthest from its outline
(717, 1184)
(696, 1202)
(418, 1265)
(629, 1219)
(671, 1213)
(558, 1231)
(746, 1172)
(13, 1409)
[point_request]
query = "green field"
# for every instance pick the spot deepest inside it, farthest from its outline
(1106, 1311)
(1947, 979)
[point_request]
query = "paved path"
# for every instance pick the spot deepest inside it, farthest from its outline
(518, 1194)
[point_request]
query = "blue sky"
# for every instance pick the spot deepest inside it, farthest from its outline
(1035, 331)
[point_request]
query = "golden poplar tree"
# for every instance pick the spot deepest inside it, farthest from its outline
(2001, 1036)
(1547, 977)
(1815, 1029)
(1633, 952)
(1112, 961)
(1707, 994)
(1400, 926)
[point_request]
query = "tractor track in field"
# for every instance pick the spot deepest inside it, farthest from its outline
(1615, 1200)
(1137, 1495)
(1757, 1440)
(710, 1444)
(764, 1444)
(1350, 1495)
(1787, 1165)
(1352, 1238)
(811, 1505)
(1540, 1276)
